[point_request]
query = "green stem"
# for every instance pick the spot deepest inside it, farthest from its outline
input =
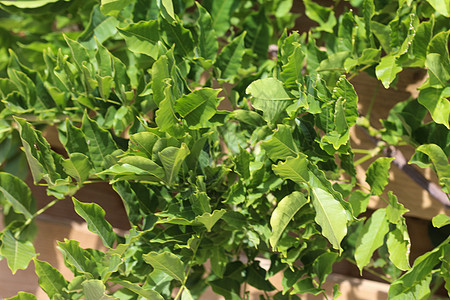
(179, 292)
(358, 71)
(41, 211)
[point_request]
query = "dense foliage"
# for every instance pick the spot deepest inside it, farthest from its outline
(133, 88)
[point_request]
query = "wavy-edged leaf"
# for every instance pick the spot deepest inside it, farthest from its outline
(221, 12)
(436, 102)
(22, 296)
(74, 255)
(258, 34)
(27, 3)
(143, 142)
(387, 70)
(441, 220)
(441, 6)
(113, 7)
(330, 215)
(230, 58)
(17, 253)
(398, 245)
(50, 279)
(209, 219)
(99, 141)
(18, 194)
(281, 145)
(371, 237)
(345, 92)
(198, 107)
(440, 162)
(283, 213)
(78, 166)
(295, 169)
(166, 9)
(174, 33)
(269, 96)
(142, 37)
(94, 216)
(167, 262)
(377, 174)
(291, 73)
(95, 290)
(395, 210)
(138, 290)
(172, 158)
(165, 115)
(145, 164)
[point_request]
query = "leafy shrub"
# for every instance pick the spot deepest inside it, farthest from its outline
(133, 88)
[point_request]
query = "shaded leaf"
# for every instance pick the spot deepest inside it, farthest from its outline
(209, 219)
(50, 279)
(398, 245)
(78, 166)
(138, 290)
(142, 37)
(207, 39)
(281, 145)
(377, 174)
(168, 263)
(17, 253)
(172, 158)
(95, 290)
(230, 58)
(387, 70)
(18, 194)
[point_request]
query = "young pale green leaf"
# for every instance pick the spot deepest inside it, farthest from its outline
(17, 253)
(145, 164)
(438, 74)
(186, 295)
(138, 290)
(99, 29)
(295, 169)
(269, 96)
(74, 255)
(198, 107)
(172, 158)
(208, 219)
(230, 58)
(165, 115)
(167, 262)
(345, 92)
(78, 166)
(18, 194)
(160, 78)
(94, 216)
(207, 38)
(113, 7)
(99, 141)
(398, 245)
(281, 145)
(414, 284)
(359, 201)
(395, 210)
(439, 45)
(50, 279)
(441, 220)
(142, 37)
(291, 73)
(371, 237)
(377, 174)
(283, 213)
(22, 295)
(94, 290)
(443, 7)
(166, 9)
(330, 215)
(387, 70)
(174, 33)
(436, 102)
(221, 12)
(440, 162)
(322, 15)
(75, 141)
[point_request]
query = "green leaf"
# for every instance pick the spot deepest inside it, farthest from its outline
(281, 145)
(441, 220)
(172, 158)
(395, 210)
(18, 194)
(230, 58)
(208, 219)
(323, 264)
(166, 9)
(436, 102)
(73, 255)
(138, 290)
(145, 164)
(75, 141)
(269, 96)
(95, 290)
(198, 107)
(221, 12)
(17, 253)
(295, 169)
(291, 73)
(27, 3)
(256, 277)
(175, 34)
(398, 247)
(345, 92)
(371, 237)
(439, 75)
(165, 115)
(377, 174)
(258, 33)
(167, 262)
(142, 37)
(50, 279)
(22, 296)
(78, 166)
(322, 15)
(359, 201)
(440, 163)
(100, 26)
(113, 7)
(207, 38)
(99, 141)
(283, 213)
(387, 70)
(330, 215)
(94, 215)
(143, 142)
(441, 6)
